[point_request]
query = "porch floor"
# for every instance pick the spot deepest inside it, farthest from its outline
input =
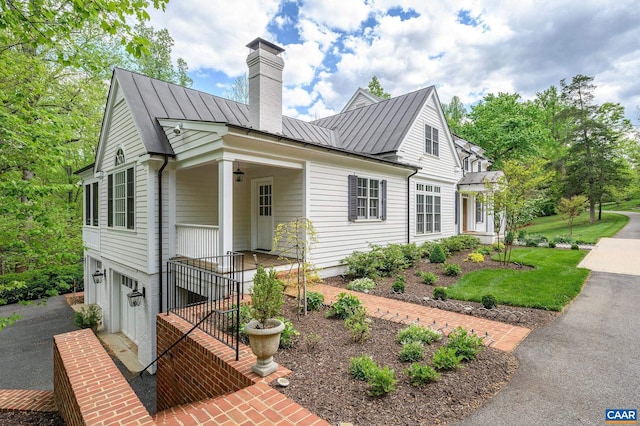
(265, 259)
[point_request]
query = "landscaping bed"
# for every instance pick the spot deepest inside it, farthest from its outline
(321, 382)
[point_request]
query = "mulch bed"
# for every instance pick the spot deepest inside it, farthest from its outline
(321, 382)
(31, 418)
(530, 318)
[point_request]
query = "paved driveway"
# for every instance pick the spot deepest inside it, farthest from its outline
(584, 362)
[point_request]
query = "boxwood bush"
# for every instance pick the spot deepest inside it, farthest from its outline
(39, 283)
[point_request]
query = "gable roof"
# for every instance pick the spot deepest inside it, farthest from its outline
(362, 97)
(150, 99)
(378, 128)
(473, 178)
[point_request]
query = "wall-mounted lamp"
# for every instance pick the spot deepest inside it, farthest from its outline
(135, 297)
(98, 276)
(238, 175)
(178, 129)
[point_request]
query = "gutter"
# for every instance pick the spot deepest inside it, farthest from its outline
(166, 161)
(409, 206)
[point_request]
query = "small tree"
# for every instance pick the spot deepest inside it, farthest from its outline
(295, 240)
(266, 296)
(376, 88)
(571, 208)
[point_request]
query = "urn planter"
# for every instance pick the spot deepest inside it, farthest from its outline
(264, 344)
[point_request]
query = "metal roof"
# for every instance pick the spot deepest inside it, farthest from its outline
(474, 178)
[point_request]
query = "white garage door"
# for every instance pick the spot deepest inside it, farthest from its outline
(127, 313)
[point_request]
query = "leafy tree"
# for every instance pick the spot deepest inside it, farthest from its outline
(456, 114)
(376, 88)
(572, 208)
(239, 90)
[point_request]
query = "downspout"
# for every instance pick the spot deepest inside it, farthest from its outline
(166, 161)
(409, 205)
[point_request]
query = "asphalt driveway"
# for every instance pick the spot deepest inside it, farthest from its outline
(586, 361)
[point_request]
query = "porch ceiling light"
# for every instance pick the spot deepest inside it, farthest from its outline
(98, 276)
(135, 297)
(238, 175)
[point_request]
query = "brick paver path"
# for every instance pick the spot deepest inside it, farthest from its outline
(501, 336)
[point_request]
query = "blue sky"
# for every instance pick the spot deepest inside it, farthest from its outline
(464, 48)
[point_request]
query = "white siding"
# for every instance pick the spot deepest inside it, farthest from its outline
(197, 195)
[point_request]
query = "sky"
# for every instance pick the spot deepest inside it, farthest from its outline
(466, 48)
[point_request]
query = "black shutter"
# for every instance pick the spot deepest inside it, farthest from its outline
(110, 201)
(130, 199)
(353, 197)
(87, 204)
(96, 207)
(383, 200)
(457, 207)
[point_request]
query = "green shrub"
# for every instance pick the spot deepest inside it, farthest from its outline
(39, 283)
(393, 259)
(508, 238)
(287, 335)
(484, 250)
(412, 254)
(475, 257)
(411, 352)
(575, 246)
(499, 247)
(361, 284)
(452, 269)
(446, 358)
(358, 325)
(427, 248)
(428, 277)
(314, 300)
(382, 381)
(312, 340)
(522, 235)
(437, 254)
(489, 301)
(552, 244)
(531, 243)
(420, 375)
(363, 264)
(88, 317)
(466, 345)
(459, 242)
(417, 333)
(344, 306)
(440, 293)
(399, 284)
(267, 295)
(362, 367)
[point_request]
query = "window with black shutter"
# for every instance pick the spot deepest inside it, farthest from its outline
(367, 198)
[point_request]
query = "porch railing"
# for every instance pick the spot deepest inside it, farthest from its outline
(196, 241)
(210, 288)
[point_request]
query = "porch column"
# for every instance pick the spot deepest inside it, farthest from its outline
(225, 207)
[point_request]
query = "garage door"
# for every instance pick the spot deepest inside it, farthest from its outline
(127, 313)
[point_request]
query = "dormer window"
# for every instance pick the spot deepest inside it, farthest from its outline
(121, 195)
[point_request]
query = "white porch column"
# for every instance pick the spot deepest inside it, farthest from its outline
(225, 206)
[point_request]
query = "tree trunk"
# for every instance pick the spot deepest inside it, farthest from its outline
(592, 211)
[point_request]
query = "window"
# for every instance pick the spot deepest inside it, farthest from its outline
(428, 207)
(479, 166)
(91, 207)
(367, 198)
(431, 143)
(465, 164)
(119, 157)
(120, 198)
(479, 211)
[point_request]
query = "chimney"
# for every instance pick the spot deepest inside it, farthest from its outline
(265, 86)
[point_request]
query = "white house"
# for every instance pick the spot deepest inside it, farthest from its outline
(181, 173)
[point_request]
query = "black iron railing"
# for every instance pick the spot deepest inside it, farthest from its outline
(207, 292)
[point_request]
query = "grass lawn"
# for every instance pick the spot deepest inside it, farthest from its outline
(583, 231)
(553, 283)
(624, 206)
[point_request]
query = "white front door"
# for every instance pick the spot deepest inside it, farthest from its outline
(127, 313)
(263, 210)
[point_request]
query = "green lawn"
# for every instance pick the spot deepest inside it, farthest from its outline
(583, 231)
(553, 283)
(624, 206)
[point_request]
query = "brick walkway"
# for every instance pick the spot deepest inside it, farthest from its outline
(502, 336)
(27, 400)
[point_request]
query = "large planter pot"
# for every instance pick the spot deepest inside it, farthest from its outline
(264, 344)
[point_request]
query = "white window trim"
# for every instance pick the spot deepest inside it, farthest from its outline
(425, 190)
(368, 199)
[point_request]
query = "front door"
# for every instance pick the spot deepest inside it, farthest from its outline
(127, 313)
(264, 210)
(464, 215)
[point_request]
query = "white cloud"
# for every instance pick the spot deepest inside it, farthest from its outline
(344, 15)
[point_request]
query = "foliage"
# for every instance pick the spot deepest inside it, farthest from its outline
(88, 317)
(575, 246)
(312, 341)
(465, 345)
(457, 243)
(10, 320)
(420, 375)
(551, 244)
(295, 240)
(39, 283)
(363, 264)
(314, 300)
(570, 208)
(362, 367)
(452, 269)
(358, 324)
(446, 358)
(287, 335)
(551, 284)
(475, 257)
(489, 301)
(267, 297)
(428, 277)
(455, 114)
(411, 352)
(417, 333)
(412, 254)
(553, 227)
(362, 285)
(382, 381)
(239, 90)
(484, 250)
(245, 316)
(437, 254)
(376, 88)
(499, 247)
(399, 284)
(344, 306)
(440, 293)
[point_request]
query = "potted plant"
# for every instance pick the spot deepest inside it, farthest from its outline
(264, 329)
